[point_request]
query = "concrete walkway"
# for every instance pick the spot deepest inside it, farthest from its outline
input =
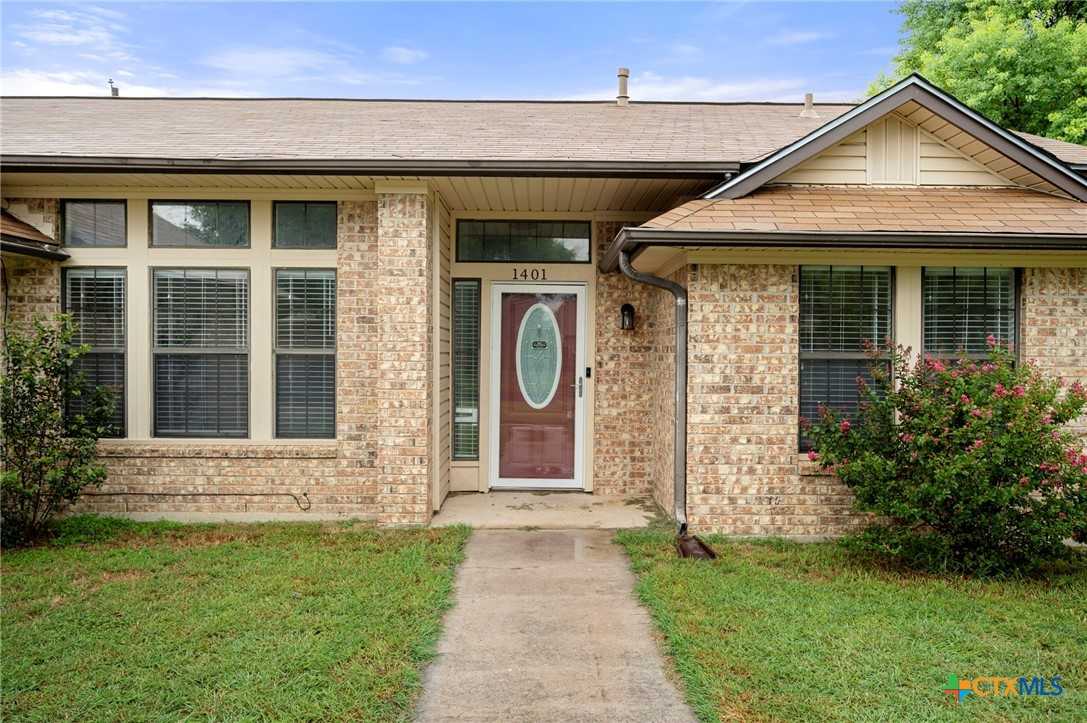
(546, 628)
(544, 510)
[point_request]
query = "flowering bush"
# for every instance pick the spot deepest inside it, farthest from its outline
(967, 464)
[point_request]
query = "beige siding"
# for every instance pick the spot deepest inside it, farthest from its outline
(444, 348)
(892, 152)
(843, 163)
(942, 165)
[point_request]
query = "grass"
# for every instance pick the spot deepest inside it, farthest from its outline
(805, 632)
(125, 621)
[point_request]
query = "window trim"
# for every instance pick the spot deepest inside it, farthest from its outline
(62, 214)
(1017, 311)
(64, 303)
(151, 202)
(839, 355)
(335, 230)
(478, 281)
(334, 353)
(154, 432)
(521, 262)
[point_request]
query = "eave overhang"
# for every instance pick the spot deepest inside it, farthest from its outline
(634, 240)
(714, 170)
(20, 247)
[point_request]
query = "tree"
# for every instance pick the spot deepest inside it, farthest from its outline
(48, 456)
(1021, 63)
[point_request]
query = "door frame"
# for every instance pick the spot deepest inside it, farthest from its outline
(580, 291)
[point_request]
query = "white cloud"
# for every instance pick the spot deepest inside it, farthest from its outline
(403, 56)
(270, 62)
(798, 37)
(82, 82)
(651, 86)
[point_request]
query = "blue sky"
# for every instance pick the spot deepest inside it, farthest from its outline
(676, 51)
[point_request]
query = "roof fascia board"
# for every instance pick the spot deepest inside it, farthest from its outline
(13, 245)
(91, 164)
(917, 89)
(633, 239)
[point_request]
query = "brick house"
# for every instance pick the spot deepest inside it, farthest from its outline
(358, 307)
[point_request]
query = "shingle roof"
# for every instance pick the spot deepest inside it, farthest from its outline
(1067, 152)
(867, 209)
(397, 130)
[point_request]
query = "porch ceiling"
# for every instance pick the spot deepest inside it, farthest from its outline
(462, 193)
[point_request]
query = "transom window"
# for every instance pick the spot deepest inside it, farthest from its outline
(93, 223)
(200, 223)
(841, 308)
(95, 298)
(304, 224)
(305, 352)
(200, 336)
(964, 306)
(525, 241)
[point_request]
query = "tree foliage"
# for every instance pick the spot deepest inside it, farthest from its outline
(1021, 63)
(48, 455)
(969, 465)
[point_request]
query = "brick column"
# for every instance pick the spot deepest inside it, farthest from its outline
(403, 374)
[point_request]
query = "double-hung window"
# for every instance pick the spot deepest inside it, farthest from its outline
(466, 297)
(305, 353)
(841, 308)
(201, 352)
(964, 306)
(95, 298)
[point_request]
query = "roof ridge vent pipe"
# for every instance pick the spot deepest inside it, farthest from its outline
(687, 545)
(623, 98)
(809, 106)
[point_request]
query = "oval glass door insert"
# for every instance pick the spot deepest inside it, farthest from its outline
(539, 356)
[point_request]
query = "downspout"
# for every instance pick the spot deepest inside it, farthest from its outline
(680, 443)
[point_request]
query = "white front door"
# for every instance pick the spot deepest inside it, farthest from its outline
(537, 386)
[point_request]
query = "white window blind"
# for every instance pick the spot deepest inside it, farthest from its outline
(95, 298)
(305, 341)
(201, 352)
(466, 295)
(841, 309)
(963, 306)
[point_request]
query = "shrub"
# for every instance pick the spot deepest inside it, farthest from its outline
(48, 456)
(967, 464)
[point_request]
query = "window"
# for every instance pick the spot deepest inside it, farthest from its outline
(201, 352)
(466, 369)
(93, 223)
(841, 308)
(95, 297)
(304, 225)
(964, 306)
(200, 223)
(526, 241)
(305, 351)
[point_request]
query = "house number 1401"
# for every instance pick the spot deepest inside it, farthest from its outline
(529, 274)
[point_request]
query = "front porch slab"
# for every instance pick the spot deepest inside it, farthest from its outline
(545, 511)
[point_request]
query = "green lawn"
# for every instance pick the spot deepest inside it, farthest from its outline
(804, 632)
(132, 622)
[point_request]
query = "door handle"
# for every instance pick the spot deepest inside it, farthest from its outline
(580, 386)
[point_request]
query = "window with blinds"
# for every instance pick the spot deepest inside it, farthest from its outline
(466, 293)
(841, 308)
(304, 224)
(529, 241)
(95, 298)
(200, 338)
(93, 223)
(200, 223)
(305, 351)
(963, 306)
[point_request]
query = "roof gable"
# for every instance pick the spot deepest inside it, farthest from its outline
(923, 115)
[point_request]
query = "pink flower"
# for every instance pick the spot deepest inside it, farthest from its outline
(906, 437)
(1019, 390)
(1077, 389)
(999, 390)
(936, 365)
(1024, 481)
(1055, 435)
(845, 426)
(813, 455)
(988, 367)
(965, 400)
(1047, 419)
(978, 444)
(975, 412)
(991, 341)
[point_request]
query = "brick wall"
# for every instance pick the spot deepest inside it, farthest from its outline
(744, 471)
(32, 285)
(623, 433)
(662, 400)
(1054, 324)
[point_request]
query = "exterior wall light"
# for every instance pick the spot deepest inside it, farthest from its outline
(626, 317)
